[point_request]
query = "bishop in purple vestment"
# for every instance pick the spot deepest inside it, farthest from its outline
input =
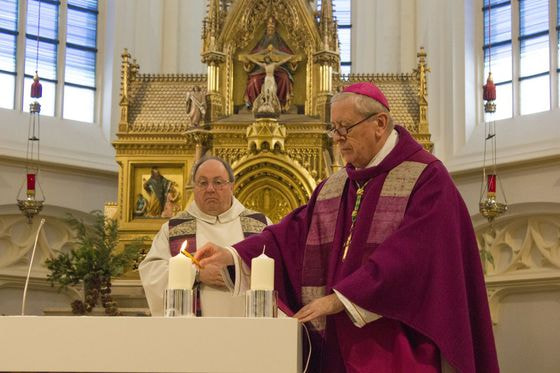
(382, 263)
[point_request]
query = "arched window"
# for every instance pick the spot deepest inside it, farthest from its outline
(66, 43)
(523, 40)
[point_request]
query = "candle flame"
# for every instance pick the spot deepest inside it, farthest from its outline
(189, 255)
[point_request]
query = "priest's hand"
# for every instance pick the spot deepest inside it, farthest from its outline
(323, 306)
(212, 254)
(211, 274)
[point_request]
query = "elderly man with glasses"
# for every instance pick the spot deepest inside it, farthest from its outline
(382, 262)
(216, 215)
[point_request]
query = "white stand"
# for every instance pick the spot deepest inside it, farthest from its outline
(149, 344)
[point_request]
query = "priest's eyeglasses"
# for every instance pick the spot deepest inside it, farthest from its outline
(217, 184)
(342, 131)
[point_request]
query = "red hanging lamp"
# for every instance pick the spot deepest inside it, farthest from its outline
(492, 204)
(31, 202)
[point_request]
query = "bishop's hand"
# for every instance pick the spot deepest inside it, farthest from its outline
(212, 254)
(323, 306)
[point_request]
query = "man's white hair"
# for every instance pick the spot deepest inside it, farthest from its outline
(364, 105)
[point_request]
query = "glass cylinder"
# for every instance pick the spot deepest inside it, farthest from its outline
(179, 303)
(261, 303)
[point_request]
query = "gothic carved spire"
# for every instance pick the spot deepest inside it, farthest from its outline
(212, 25)
(327, 25)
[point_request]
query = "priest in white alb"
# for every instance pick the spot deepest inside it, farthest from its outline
(215, 215)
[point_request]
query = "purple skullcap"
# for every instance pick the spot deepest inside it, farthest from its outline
(370, 90)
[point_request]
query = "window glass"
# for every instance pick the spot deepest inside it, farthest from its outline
(535, 95)
(81, 52)
(8, 43)
(498, 55)
(43, 25)
(79, 103)
(8, 84)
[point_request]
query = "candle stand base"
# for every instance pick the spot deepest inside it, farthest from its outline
(179, 303)
(261, 303)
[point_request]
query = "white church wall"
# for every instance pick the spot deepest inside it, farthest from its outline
(64, 187)
(523, 283)
(523, 182)
(526, 336)
(384, 35)
(40, 295)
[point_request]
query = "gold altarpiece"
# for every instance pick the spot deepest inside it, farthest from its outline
(277, 161)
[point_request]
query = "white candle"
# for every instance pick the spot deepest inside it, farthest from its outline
(182, 272)
(262, 273)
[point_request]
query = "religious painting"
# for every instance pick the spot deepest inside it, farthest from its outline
(157, 191)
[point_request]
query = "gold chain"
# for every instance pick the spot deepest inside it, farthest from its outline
(359, 194)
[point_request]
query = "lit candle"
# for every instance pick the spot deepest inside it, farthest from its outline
(30, 184)
(262, 273)
(182, 272)
(491, 185)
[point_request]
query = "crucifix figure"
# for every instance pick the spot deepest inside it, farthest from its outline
(273, 45)
(267, 102)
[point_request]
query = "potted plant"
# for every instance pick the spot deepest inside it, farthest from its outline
(93, 263)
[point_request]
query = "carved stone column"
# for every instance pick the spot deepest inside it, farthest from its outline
(215, 100)
(423, 136)
(326, 60)
(125, 83)
(201, 138)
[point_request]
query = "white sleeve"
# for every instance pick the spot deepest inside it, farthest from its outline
(154, 270)
(359, 316)
(242, 281)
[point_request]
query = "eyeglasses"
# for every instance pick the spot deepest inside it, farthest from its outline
(343, 131)
(217, 184)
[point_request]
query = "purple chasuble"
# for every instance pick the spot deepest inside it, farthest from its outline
(423, 275)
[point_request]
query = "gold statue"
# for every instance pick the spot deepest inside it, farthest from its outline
(196, 106)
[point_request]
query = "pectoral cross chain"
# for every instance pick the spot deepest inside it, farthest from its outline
(359, 194)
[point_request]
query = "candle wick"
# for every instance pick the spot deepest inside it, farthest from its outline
(264, 248)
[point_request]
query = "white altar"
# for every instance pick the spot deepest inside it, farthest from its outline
(149, 344)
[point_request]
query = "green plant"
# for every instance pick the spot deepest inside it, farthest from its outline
(94, 261)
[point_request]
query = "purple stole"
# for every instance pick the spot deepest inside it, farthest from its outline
(389, 213)
(183, 227)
